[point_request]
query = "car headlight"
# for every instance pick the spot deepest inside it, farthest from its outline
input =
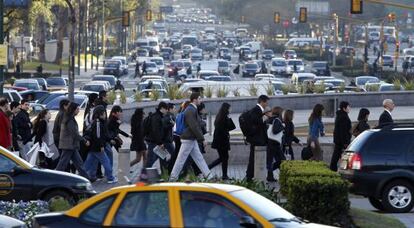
(84, 186)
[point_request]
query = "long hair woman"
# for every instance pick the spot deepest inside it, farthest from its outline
(289, 136)
(362, 124)
(41, 134)
(137, 142)
(316, 129)
(69, 141)
(223, 124)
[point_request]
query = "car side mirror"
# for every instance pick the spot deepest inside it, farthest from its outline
(247, 222)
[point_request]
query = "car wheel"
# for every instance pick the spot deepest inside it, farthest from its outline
(59, 194)
(397, 197)
(376, 203)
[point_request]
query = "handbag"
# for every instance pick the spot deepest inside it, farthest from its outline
(275, 137)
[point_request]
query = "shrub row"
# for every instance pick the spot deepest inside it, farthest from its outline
(314, 192)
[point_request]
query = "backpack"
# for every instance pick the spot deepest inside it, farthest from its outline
(147, 125)
(179, 124)
(245, 123)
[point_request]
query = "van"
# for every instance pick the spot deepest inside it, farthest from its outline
(298, 78)
(141, 43)
(154, 43)
(255, 46)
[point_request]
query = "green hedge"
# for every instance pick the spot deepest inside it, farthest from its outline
(353, 72)
(314, 192)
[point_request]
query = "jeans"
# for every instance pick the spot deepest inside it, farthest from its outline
(91, 164)
(74, 156)
(274, 154)
(189, 148)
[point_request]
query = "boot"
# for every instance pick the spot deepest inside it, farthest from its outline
(270, 177)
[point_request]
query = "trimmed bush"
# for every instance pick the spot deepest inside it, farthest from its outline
(353, 72)
(314, 192)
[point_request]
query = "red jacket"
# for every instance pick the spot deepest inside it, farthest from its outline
(5, 131)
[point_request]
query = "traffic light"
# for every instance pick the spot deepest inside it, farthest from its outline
(392, 17)
(397, 47)
(356, 6)
(125, 19)
(303, 15)
(148, 15)
(242, 19)
(277, 17)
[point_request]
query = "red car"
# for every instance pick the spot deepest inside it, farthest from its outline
(172, 65)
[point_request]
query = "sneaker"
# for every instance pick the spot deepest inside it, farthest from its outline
(113, 181)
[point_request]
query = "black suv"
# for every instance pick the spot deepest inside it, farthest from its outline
(379, 163)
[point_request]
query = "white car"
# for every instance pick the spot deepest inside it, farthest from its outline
(109, 78)
(124, 63)
(362, 80)
(150, 77)
(150, 84)
(159, 61)
(300, 66)
(278, 66)
(299, 78)
(151, 68)
(12, 95)
(203, 74)
(32, 84)
(96, 86)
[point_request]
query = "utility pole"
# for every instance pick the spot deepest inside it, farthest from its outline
(366, 50)
(71, 88)
(335, 38)
(85, 33)
(79, 36)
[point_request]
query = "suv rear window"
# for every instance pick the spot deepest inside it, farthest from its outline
(359, 141)
(389, 142)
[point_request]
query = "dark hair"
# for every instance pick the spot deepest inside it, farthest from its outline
(363, 113)
(24, 101)
(40, 116)
(343, 105)
(277, 111)
(14, 104)
(115, 109)
(72, 108)
(98, 111)
(102, 93)
(200, 107)
(194, 96)
(262, 98)
(92, 98)
(288, 115)
(222, 114)
(63, 103)
(171, 106)
(163, 105)
(138, 116)
(316, 113)
(3, 101)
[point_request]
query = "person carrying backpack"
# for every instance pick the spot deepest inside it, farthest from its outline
(254, 130)
(274, 143)
(154, 133)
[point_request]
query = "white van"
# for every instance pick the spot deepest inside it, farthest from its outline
(255, 46)
(141, 43)
(154, 43)
(303, 42)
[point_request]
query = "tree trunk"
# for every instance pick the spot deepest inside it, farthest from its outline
(42, 39)
(63, 23)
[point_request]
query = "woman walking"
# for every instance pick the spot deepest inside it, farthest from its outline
(41, 134)
(69, 141)
(362, 124)
(289, 136)
(223, 124)
(137, 142)
(274, 154)
(316, 129)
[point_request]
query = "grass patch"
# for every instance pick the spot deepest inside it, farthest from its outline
(31, 66)
(368, 219)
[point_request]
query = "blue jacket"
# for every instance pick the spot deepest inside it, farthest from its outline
(316, 128)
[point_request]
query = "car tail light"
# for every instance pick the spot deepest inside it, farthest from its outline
(355, 162)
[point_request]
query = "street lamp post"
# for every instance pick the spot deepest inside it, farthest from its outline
(335, 38)
(71, 88)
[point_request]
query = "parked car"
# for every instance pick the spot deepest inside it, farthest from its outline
(196, 205)
(278, 66)
(362, 80)
(11, 95)
(33, 95)
(321, 68)
(56, 83)
(250, 69)
(124, 63)
(96, 86)
(32, 84)
(42, 82)
(268, 54)
(379, 165)
(113, 67)
(23, 181)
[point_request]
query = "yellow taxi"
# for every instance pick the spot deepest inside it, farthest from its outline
(174, 205)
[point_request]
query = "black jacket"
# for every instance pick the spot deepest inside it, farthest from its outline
(137, 132)
(39, 130)
(221, 136)
(289, 135)
(156, 134)
(259, 138)
(97, 137)
(168, 122)
(385, 119)
(24, 126)
(361, 127)
(342, 131)
(56, 127)
(113, 128)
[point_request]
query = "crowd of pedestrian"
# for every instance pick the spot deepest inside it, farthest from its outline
(174, 137)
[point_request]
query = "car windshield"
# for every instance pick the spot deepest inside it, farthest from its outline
(263, 206)
(387, 57)
(362, 81)
(219, 79)
(95, 88)
(151, 64)
(251, 66)
(56, 82)
(157, 61)
(196, 51)
(335, 83)
(40, 81)
(54, 104)
(319, 65)
(223, 64)
(122, 60)
(153, 43)
(278, 87)
(290, 52)
(47, 98)
(148, 86)
(108, 79)
(268, 52)
(208, 74)
(27, 85)
(387, 88)
(298, 63)
(279, 63)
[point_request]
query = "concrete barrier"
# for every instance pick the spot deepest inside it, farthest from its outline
(295, 102)
(260, 171)
(123, 165)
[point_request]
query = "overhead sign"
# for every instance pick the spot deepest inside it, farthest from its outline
(3, 54)
(16, 3)
(166, 9)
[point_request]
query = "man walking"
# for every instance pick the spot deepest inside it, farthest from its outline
(24, 129)
(137, 72)
(144, 68)
(258, 136)
(342, 133)
(386, 117)
(191, 136)
(168, 124)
